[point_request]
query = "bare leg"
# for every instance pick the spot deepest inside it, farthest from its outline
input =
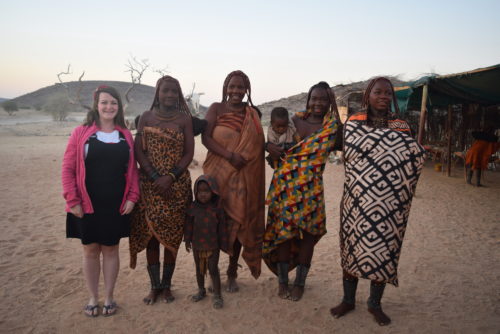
(305, 256)
(91, 272)
(478, 178)
(153, 258)
(232, 269)
(283, 265)
(110, 268)
(213, 269)
(200, 279)
(374, 305)
(168, 272)
(348, 303)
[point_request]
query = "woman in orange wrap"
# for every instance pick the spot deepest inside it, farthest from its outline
(485, 144)
(235, 142)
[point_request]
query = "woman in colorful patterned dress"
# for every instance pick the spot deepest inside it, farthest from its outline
(382, 166)
(164, 148)
(296, 216)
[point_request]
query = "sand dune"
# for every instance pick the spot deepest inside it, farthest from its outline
(449, 272)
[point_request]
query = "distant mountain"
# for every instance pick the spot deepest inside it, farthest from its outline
(3, 100)
(141, 96)
(352, 92)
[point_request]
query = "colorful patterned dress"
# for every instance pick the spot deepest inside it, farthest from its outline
(296, 198)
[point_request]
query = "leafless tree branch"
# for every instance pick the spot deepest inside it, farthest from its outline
(77, 100)
(136, 68)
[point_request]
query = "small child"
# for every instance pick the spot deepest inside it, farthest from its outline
(282, 132)
(205, 232)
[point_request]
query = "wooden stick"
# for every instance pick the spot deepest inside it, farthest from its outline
(448, 153)
(423, 109)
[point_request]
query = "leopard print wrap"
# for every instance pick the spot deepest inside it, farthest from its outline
(156, 215)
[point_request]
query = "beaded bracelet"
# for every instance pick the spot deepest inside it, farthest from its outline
(154, 175)
(175, 172)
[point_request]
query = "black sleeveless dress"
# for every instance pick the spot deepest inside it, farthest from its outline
(105, 169)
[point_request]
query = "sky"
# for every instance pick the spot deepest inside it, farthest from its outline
(283, 46)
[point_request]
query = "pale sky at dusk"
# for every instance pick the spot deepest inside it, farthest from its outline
(283, 46)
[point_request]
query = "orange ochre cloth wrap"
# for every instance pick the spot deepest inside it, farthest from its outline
(242, 191)
(478, 155)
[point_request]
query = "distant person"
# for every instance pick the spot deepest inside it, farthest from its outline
(282, 133)
(100, 186)
(205, 232)
(382, 166)
(164, 147)
(484, 146)
(235, 158)
(296, 218)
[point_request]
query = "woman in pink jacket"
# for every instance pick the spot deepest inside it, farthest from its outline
(100, 186)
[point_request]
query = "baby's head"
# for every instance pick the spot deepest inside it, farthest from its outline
(279, 120)
(205, 190)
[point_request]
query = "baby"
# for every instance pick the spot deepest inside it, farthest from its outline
(206, 233)
(282, 132)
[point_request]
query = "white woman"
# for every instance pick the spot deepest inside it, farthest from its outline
(100, 187)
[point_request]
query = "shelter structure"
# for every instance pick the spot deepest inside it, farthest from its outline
(472, 96)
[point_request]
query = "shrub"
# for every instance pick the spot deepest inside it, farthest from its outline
(59, 107)
(10, 107)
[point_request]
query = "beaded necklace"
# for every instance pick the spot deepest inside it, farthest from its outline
(167, 117)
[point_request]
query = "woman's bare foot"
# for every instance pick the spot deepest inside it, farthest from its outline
(232, 286)
(380, 317)
(283, 291)
(199, 296)
(297, 293)
(218, 302)
(341, 309)
(167, 296)
(150, 299)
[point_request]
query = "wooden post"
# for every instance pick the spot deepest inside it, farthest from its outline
(448, 151)
(423, 110)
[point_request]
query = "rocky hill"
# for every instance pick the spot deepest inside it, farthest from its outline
(141, 96)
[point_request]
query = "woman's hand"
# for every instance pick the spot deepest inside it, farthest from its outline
(128, 207)
(237, 161)
(163, 184)
(275, 151)
(77, 211)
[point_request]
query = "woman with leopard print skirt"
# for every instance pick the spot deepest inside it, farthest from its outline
(164, 148)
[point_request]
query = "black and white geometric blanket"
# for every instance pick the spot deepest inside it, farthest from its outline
(382, 167)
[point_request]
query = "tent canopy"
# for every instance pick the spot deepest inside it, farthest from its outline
(480, 86)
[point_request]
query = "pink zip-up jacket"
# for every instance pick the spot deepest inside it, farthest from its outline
(73, 170)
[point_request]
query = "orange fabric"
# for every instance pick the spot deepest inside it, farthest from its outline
(478, 155)
(243, 191)
(232, 121)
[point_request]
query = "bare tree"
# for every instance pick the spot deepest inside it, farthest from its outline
(77, 101)
(136, 68)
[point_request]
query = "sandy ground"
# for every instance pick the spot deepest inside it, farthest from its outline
(449, 271)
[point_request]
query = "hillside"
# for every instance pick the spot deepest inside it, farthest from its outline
(141, 96)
